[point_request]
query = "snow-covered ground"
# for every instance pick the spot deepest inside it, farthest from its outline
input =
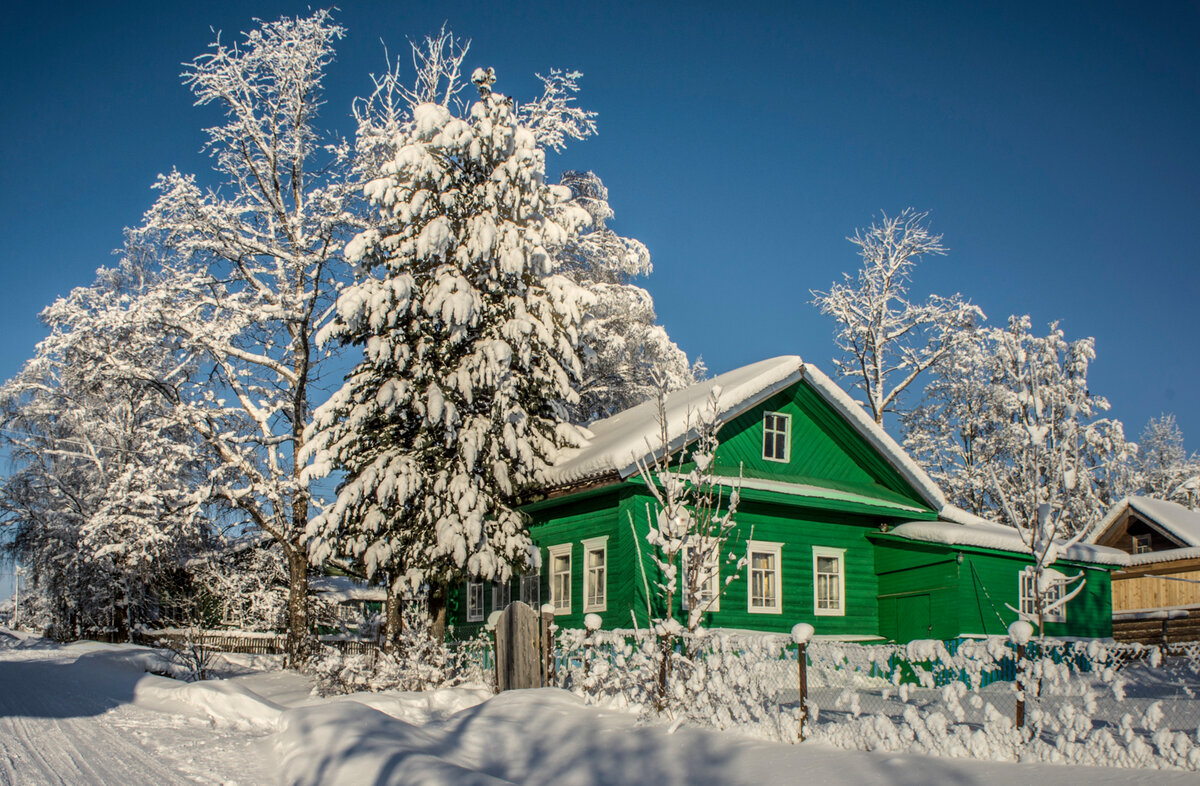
(90, 714)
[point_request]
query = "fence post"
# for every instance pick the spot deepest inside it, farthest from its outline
(1020, 632)
(548, 627)
(802, 632)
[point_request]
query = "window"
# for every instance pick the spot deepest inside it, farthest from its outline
(531, 590)
(474, 601)
(560, 578)
(764, 568)
(595, 577)
(1141, 544)
(776, 436)
(1053, 593)
(708, 578)
(501, 595)
(829, 582)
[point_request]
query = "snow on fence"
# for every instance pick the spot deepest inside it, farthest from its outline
(1087, 702)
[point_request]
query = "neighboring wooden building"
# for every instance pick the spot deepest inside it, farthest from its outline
(1157, 595)
(839, 526)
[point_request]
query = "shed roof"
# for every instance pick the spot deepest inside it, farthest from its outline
(1000, 538)
(1172, 518)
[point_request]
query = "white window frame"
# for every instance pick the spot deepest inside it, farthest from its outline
(593, 600)
(501, 595)
(561, 605)
(787, 437)
(713, 581)
(776, 550)
(1141, 544)
(475, 610)
(840, 556)
(531, 589)
(1025, 597)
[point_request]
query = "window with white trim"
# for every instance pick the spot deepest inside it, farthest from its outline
(501, 595)
(474, 601)
(595, 577)
(777, 430)
(829, 582)
(1055, 588)
(765, 566)
(531, 589)
(708, 577)
(560, 578)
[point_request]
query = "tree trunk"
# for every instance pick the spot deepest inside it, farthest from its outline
(394, 625)
(438, 597)
(299, 637)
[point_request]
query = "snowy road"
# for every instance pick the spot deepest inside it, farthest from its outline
(67, 717)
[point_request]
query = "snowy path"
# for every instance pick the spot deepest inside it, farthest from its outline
(67, 717)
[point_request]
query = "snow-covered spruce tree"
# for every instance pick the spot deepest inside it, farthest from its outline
(254, 264)
(887, 342)
(688, 532)
(624, 350)
(1165, 471)
(107, 498)
(468, 341)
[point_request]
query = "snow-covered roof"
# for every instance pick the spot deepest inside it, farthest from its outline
(1174, 519)
(343, 589)
(1165, 555)
(614, 446)
(996, 536)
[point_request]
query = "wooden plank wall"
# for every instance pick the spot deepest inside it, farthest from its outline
(1156, 591)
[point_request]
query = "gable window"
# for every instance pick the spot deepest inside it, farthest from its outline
(1053, 593)
(829, 582)
(764, 565)
(531, 590)
(1141, 544)
(474, 601)
(501, 595)
(560, 578)
(595, 577)
(777, 430)
(708, 575)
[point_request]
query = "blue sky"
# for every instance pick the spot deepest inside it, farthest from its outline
(1054, 146)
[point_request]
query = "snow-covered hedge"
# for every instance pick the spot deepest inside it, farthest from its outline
(1086, 702)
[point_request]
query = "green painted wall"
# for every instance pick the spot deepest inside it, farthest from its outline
(970, 597)
(825, 451)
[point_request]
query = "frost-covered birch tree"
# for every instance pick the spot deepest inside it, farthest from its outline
(468, 340)
(688, 530)
(1165, 469)
(108, 491)
(253, 264)
(1011, 430)
(887, 341)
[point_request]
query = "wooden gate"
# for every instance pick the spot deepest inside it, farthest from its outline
(518, 651)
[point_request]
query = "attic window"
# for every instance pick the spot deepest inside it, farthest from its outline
(777, 429)
(1141, 544)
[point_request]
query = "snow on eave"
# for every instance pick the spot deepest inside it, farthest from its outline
(1171, 518)
(343, 589)
(999, 538)
(619, 443)
(853, 412)
(1166, 555)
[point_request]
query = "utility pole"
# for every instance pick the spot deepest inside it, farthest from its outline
(16, 594)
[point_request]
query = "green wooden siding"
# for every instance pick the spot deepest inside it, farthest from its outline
(972, 596)
(825, 450)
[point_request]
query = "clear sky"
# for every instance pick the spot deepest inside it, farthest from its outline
(1054, 144)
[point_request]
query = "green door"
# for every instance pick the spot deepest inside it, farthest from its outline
(913, 618)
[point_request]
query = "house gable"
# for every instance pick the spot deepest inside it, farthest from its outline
(825, 452)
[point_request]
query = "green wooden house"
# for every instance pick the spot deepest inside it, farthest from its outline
(840, 528)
